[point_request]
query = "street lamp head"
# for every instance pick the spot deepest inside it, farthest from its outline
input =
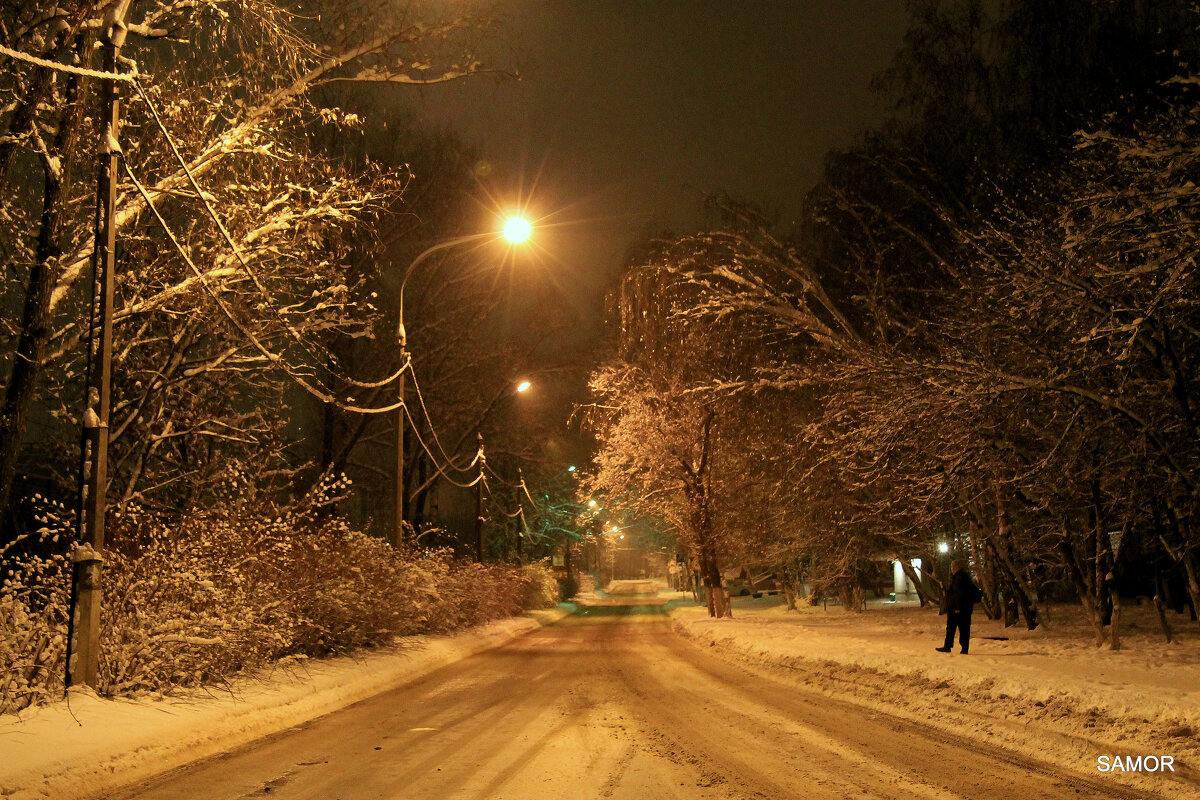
(523, 385)
(517, 229)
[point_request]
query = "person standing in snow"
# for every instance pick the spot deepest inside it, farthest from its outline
(961, 596)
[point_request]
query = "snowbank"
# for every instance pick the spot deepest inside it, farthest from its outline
(1051, 683)
(67, 751)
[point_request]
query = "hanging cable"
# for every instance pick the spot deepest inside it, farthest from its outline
(429, 420)
(525, 489)
(500, 477)
(250, 273)
(441, 470)
(271, 357)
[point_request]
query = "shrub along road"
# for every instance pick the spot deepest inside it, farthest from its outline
(611, 703)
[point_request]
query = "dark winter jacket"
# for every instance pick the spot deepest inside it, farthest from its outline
(962, 594)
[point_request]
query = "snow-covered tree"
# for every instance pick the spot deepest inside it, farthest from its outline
(218, 149)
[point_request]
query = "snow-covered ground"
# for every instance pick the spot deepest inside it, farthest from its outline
(73, 750)
(1050, 692)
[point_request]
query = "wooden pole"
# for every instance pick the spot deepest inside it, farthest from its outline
(88, 557)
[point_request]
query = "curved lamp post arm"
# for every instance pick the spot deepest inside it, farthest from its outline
(401, 334)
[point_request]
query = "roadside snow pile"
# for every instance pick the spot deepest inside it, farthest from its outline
(1144, 698)
(53, 752)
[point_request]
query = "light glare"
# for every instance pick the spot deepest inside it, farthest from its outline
(517, 230)
(523, 385)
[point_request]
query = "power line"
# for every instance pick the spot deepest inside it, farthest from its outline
(295, 334)
(273, 358)
(420, 397)
(441, 470)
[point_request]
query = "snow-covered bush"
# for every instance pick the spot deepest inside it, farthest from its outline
(194, 600)
(542, 589)
(33, 626)
(33, 610)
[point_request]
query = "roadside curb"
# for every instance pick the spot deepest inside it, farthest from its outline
(95, 745)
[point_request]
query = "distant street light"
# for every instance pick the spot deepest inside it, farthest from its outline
(523, 385)
(943, 548)
(516, 231)
(591, 503)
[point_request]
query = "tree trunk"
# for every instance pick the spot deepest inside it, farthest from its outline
(986, 572)
(1115, 626)
(716, 598)
(36, 318)
(1003, 550)
(1161, 609)
(1181, 555)
(1081, 586)
(1192, 570)
(922, 592)
(567, 564)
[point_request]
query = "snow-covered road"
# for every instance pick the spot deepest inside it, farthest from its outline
(615, 704)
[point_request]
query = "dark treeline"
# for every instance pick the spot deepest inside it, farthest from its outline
(983, 331)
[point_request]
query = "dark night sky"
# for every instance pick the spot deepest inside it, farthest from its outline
(633, 109)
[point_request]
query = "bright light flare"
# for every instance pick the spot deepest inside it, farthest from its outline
(943, 548)
(517, 229)
(523, 386)
(591, 503)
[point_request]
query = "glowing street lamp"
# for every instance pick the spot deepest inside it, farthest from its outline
(516, 231)
(523, 386)
(943, 548)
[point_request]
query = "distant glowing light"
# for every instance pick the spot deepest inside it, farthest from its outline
(517, 230)
(571, 468)
(622, 536)
(943, 548)
(523, 385)
(591, 503)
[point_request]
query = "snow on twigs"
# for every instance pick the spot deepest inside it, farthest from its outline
(234, 587)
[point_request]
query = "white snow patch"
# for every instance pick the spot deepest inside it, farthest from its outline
(1053, 685)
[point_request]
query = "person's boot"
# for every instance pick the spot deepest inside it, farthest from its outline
(942, 649)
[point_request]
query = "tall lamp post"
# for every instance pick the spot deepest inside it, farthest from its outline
(516, 230)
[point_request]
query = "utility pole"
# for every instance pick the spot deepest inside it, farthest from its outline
(521, 520)
(88, 556)
(398, 525)
(479, 503)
